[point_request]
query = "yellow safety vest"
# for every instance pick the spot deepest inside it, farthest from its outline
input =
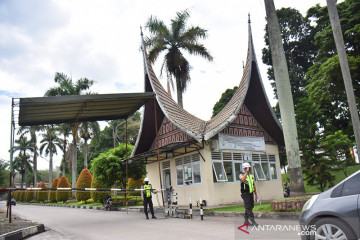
(250, 180)
(147, 190)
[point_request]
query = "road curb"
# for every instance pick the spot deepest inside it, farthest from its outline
(23, 233)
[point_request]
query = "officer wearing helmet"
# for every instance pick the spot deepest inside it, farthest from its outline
(146, 198)
(247, 194)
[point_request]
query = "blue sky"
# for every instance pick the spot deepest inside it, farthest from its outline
(100, 40)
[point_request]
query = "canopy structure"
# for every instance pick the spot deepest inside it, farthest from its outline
(80, 108)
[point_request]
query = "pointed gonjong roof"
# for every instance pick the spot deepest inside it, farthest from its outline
(250, 92)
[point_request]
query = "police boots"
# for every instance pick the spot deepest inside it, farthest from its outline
(253, 223)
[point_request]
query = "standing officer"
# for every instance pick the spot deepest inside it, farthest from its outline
(247, 194)
(146, 198)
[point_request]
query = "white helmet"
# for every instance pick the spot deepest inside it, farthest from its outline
(146, 179)
(245, 165)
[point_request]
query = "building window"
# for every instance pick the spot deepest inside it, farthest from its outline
(188, 170)
(166, 174)
(227, 166)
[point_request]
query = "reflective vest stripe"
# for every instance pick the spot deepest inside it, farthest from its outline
(147, 190)
(250, 180)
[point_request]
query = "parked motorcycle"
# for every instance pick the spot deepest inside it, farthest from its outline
(286, 189)
(107, 204)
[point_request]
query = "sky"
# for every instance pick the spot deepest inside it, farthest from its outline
(100, 40)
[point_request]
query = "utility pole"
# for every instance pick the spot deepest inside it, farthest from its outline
(285, 100)
(344, 64)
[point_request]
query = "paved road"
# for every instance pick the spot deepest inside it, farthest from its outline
(72, 223)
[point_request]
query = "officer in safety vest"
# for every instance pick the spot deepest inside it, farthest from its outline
(247, 194)
(146, 198)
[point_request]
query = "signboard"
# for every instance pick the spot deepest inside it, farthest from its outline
(231, 142)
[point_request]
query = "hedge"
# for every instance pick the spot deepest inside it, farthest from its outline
(29, 195)
(22, 196)
(42, 195)
(52, 194)
(84, 181)
(98, 196)
(63, 195)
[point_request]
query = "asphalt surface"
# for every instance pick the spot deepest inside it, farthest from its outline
(74, 223)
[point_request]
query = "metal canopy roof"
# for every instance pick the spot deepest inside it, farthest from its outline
(80, 108)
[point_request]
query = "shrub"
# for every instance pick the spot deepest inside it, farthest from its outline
(52, 194)
(135, 184)
(29, 195)
(98, 196)
(84, 181)
(63, 195)
(42, 195)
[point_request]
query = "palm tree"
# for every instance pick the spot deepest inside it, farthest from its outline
(23, 145)
(68, 87)
(48, 144)
(173, 40)
(65, 130)
(88, 130)
(33, 138)
(285, 100)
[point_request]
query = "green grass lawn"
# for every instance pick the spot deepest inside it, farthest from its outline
(339, 176)
(264, 207)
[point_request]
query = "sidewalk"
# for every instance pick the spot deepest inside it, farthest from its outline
(18, 228)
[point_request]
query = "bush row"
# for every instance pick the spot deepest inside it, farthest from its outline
(85, 180)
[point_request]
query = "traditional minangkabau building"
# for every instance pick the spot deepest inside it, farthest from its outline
(203, 159)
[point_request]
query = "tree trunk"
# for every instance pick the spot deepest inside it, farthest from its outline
(340, 47)
(35, 168)
(285, 100)
(64, 158)
(51, 168)
(74, 164)
(85, 154)
(179, 92)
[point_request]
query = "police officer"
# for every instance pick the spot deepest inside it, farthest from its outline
(146, 198)
(247, 194)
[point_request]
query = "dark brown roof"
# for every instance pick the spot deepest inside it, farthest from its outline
(250, 92)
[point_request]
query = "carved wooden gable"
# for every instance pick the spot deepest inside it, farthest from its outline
(169, 133)
(245, 125)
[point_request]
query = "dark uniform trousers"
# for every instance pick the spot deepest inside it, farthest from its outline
(249, 204)
(148, 200)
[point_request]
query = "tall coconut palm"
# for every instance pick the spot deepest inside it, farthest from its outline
(48, 145)
(173, 40)
(65, 130)
(285, 100)
(67, 87)
(23, 145)
(32, 130)
(88, 130)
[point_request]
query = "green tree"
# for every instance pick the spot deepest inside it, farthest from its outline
(87, 131)
(49, 142)
(3, 173)
(65, 130)
(297, 38)
(110, 166)
(225, 98)
(173, 40)
(32, 130)
(67, 87)
(22, 162)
